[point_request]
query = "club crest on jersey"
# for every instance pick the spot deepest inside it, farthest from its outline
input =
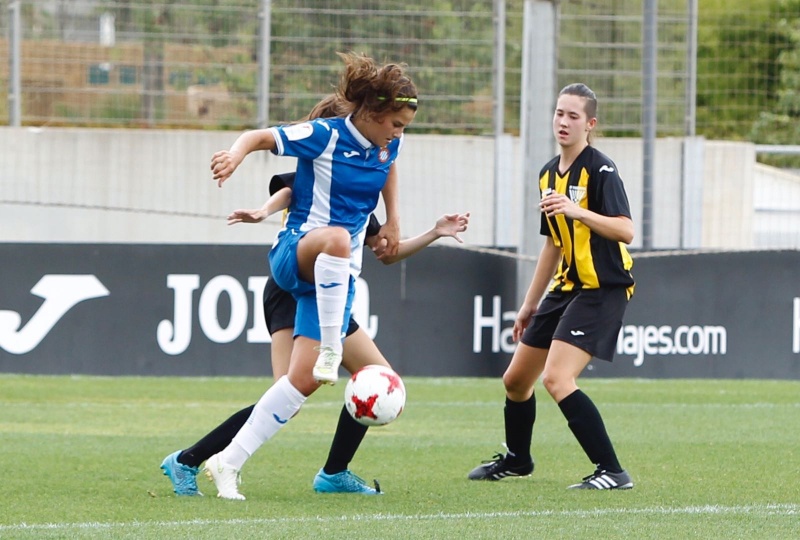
(383, 155)
(577, 193)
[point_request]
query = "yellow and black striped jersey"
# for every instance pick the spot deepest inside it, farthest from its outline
(588, 261)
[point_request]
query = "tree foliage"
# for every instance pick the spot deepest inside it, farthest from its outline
(744, 66)
(781, 123)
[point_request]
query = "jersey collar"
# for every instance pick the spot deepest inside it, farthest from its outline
(357, 134)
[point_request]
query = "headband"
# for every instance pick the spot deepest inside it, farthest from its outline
(401, 99)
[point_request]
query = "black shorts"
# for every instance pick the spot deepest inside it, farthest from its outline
(589, 319)
(280, 308)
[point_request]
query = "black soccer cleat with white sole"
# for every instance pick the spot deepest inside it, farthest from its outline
(605, 480)
(498, 468)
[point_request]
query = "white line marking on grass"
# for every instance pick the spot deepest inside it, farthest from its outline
(139, 406)
(756, 510)
(756, 405)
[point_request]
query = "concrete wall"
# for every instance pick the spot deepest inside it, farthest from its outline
(728, 206)
(142, 186)
(777, 207)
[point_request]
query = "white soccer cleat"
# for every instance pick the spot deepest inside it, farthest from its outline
(326, 369)
(225, 477)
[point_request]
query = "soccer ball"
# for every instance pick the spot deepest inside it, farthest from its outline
(375, 395)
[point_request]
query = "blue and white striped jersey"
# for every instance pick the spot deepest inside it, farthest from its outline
(340, 175)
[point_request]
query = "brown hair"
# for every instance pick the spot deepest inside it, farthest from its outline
(374, 90)
(330, 106)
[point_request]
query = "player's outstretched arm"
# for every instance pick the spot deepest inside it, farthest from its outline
(447, 225)
(277, 202)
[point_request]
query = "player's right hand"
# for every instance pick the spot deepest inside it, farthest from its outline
(223, 163)
(524, 316)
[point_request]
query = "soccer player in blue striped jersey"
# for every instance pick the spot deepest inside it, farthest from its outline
(343, 165)
(182, 466)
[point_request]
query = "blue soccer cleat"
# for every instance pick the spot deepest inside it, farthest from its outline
(183, 477)
(343, 482)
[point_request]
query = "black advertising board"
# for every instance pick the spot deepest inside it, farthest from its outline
(195, 310)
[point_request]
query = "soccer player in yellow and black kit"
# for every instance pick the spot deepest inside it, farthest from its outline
(586, 221)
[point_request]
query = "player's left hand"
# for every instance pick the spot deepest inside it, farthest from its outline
(390, 234)
(557, 203)
(379, 249)
(451, 225)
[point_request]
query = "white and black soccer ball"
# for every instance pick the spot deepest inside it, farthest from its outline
(375, 395)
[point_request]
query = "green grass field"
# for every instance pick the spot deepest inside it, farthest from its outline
(711, 459)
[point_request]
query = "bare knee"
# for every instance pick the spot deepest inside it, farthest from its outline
(336, 242)
(523, 371)
(517, 389)
(558, 385)
(303, 382)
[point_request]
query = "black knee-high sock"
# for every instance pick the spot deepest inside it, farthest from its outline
(216, 440)
(346, 441)
(587, 425)
(519, 419)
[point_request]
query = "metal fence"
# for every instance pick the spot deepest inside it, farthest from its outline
(190, 64)
(198, 64)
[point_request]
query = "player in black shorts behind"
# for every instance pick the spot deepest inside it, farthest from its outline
(586, 221)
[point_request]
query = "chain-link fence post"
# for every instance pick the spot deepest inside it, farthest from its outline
(14, 52)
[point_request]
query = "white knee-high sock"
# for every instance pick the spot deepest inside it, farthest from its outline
(332, 278)
(273, 410)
